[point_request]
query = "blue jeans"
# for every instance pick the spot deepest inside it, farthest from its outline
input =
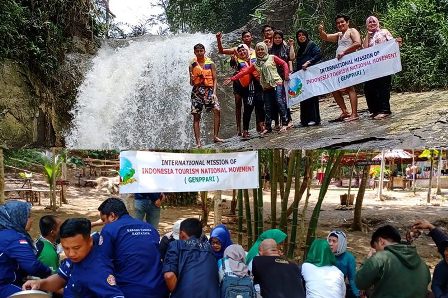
(147, 208)
(274, 98)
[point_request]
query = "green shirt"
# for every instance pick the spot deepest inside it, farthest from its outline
(47, 254)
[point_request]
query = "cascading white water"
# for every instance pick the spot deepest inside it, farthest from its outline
(137, 96)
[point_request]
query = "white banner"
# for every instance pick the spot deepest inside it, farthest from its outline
(358, 67)
(144, 171)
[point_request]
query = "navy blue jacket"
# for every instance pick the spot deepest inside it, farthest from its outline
(312, 53)
(195, 267)
(439, 284)
(17, 259)
(133, 247)
(93, 277)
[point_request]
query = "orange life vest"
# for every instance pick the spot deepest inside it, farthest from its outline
(202, 75)
(242, 64)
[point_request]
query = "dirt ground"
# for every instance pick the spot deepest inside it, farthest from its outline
(401, 209)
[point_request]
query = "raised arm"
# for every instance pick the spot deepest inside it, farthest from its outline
(292, 53)
(221, 49)
(325, 36)
(246, 71)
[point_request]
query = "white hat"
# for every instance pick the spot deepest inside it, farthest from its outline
(176, 229)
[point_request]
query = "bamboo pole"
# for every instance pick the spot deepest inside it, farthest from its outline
(2, 178)
(297, 170)
(275, 160)
(240, 216)
(248, 218)
(260, 225)
(380, 187)
(332, 164)
(255, 208)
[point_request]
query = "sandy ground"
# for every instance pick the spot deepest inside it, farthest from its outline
(401, 209)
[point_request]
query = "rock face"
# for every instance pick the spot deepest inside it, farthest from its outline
(34, 112)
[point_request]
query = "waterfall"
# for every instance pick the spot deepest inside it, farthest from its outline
(137, 96)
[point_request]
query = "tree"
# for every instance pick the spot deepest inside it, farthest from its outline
(430, 154)
(357, 220)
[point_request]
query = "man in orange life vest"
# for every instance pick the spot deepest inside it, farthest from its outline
(203, 79)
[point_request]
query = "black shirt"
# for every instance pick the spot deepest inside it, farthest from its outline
(277, 277)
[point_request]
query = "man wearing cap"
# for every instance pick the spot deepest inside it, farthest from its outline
(133, 247)
(168, 238)
(439, 285)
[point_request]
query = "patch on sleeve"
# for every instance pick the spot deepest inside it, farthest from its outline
(23, 241)
(100, 241)
(111, 280)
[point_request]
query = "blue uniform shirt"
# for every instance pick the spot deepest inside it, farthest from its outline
(17, 259)
(133, 247)
(195, 267)
(346, 262)
(93, 277)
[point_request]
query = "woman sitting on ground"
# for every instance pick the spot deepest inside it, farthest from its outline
(322, 278)
(345, 261)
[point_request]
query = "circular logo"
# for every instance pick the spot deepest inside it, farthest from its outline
(295, 87)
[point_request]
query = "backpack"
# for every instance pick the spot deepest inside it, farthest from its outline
(236, 287)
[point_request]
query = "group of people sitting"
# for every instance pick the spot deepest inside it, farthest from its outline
(128, 259)
(260, 73)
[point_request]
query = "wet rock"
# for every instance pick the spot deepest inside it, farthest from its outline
(417, 120)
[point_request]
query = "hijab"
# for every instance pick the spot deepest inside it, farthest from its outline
(221, 233)
(236, 257)
(376, 22)
(247, 50)
(342, 241)
(267, 74)
(14, 216)
(302, 45)
(276, 234)
(320, 254)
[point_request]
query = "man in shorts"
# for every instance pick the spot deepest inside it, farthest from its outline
(203, 79)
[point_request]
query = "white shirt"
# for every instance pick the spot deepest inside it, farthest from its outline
(323, 282)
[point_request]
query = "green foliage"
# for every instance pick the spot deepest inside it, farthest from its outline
(36, 33)
(423, 24)
(209, 15)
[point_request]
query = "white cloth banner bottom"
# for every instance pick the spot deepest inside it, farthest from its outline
(358, 67)
(144, 171)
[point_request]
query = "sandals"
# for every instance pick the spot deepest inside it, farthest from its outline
(381, 116)
(283, 129)
(349, 119)
(340, 118)
(245, 136)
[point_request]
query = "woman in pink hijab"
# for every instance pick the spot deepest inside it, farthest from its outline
(377, 91)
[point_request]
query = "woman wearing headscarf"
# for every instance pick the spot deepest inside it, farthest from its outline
(17, 252)
(285, 51)
(234, 260)
(308, 53)
(276, 234)
(272, 83)
(219, 240)
(345, 261)
(377, 91)
(322, 278)
(250, 89)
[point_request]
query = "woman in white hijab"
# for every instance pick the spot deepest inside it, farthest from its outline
(345, 261)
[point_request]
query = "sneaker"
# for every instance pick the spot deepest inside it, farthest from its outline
(311, 123)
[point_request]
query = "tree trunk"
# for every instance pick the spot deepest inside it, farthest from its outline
(248, 218)
(53, 181)
(285, 197)
(260, 201)
(357, 220)
(428, 198)
(204, 205)
(439, 173)
(217, 208)
(255, 208)
(295, 205)
(275, 166)
(240, 216)
(2, 178)
(233, 203)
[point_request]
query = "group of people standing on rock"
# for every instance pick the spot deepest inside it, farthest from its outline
(128, 259)
(260, 73)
